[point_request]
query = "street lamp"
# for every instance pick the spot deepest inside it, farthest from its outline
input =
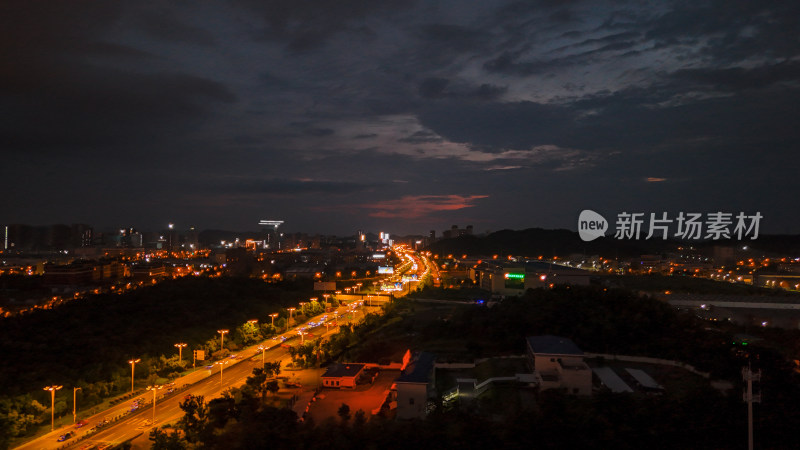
(154, 389)
(180, 346)
(273, 316)
(263, 349)
(221, 363)
(290, 317)
(74, 407)
(252, 321)
(52, 390)
(222, 338)
(302, 336)
(133, 364)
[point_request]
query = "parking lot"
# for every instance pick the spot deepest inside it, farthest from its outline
(365, 397)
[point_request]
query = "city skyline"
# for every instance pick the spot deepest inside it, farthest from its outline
(396, 116)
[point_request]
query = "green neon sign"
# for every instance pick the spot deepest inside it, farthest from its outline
(515, 276)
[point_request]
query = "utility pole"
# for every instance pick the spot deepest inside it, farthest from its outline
(749, 376)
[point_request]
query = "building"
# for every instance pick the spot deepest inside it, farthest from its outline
(70, 275)
(515, 278)
(415, 385)
(558, 364)
(340, 376)
(455, 232)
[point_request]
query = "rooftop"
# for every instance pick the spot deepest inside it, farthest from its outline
(342, 370)
(418, 371)
(553, 345)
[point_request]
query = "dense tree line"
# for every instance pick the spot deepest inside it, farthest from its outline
(86, 343)
(604, 320)
(597, 319)
(703, 419)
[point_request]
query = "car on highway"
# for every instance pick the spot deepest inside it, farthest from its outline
(81, 423)
(64, 436)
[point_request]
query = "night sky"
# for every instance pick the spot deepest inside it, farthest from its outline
(396, 115)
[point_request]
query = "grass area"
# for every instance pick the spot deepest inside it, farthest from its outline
(686, 284)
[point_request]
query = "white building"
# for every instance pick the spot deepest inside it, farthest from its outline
(558, 364)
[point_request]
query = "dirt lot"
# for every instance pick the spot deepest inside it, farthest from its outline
(365, 397)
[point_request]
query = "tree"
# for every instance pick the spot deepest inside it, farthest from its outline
(166, 441)
(263, 380)
(360, 419)
(272, 386)
(195, 421)
(344, 412)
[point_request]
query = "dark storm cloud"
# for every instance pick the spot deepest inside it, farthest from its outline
(307, 24)
(453, 37)
(737, 79)
(292, 107)
(432, 88)
(285, 187)
(163, 24)
(104, 107)
(54, 95)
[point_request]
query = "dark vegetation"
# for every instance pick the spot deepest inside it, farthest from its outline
(556, 421)
(87, 342)
(90, 338)
(689, 285)
(534, 242)
(597, 319)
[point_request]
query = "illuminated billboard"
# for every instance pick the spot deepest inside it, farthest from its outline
(514, 280)
(385, 269)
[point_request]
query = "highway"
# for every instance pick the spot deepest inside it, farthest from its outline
(125, 425)
(205, 382)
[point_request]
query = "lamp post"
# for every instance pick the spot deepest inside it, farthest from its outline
(302, 336)
(263, 349)
(74, 405)
(222, 338)
(221, 363)
(52, 390)
(154, 389)
(133, 362)
(301, 307)
(273, 316)
(180, 346)
(290, 317)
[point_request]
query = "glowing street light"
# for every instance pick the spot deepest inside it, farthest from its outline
(263, 349)
(154, 389)
(222, 338)
(302, 336)
(273, 316)
(252, 321)
(221, 364)
(290, 317)
(133, 362)
(52, 390)
(74, 405)
(180, 346)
